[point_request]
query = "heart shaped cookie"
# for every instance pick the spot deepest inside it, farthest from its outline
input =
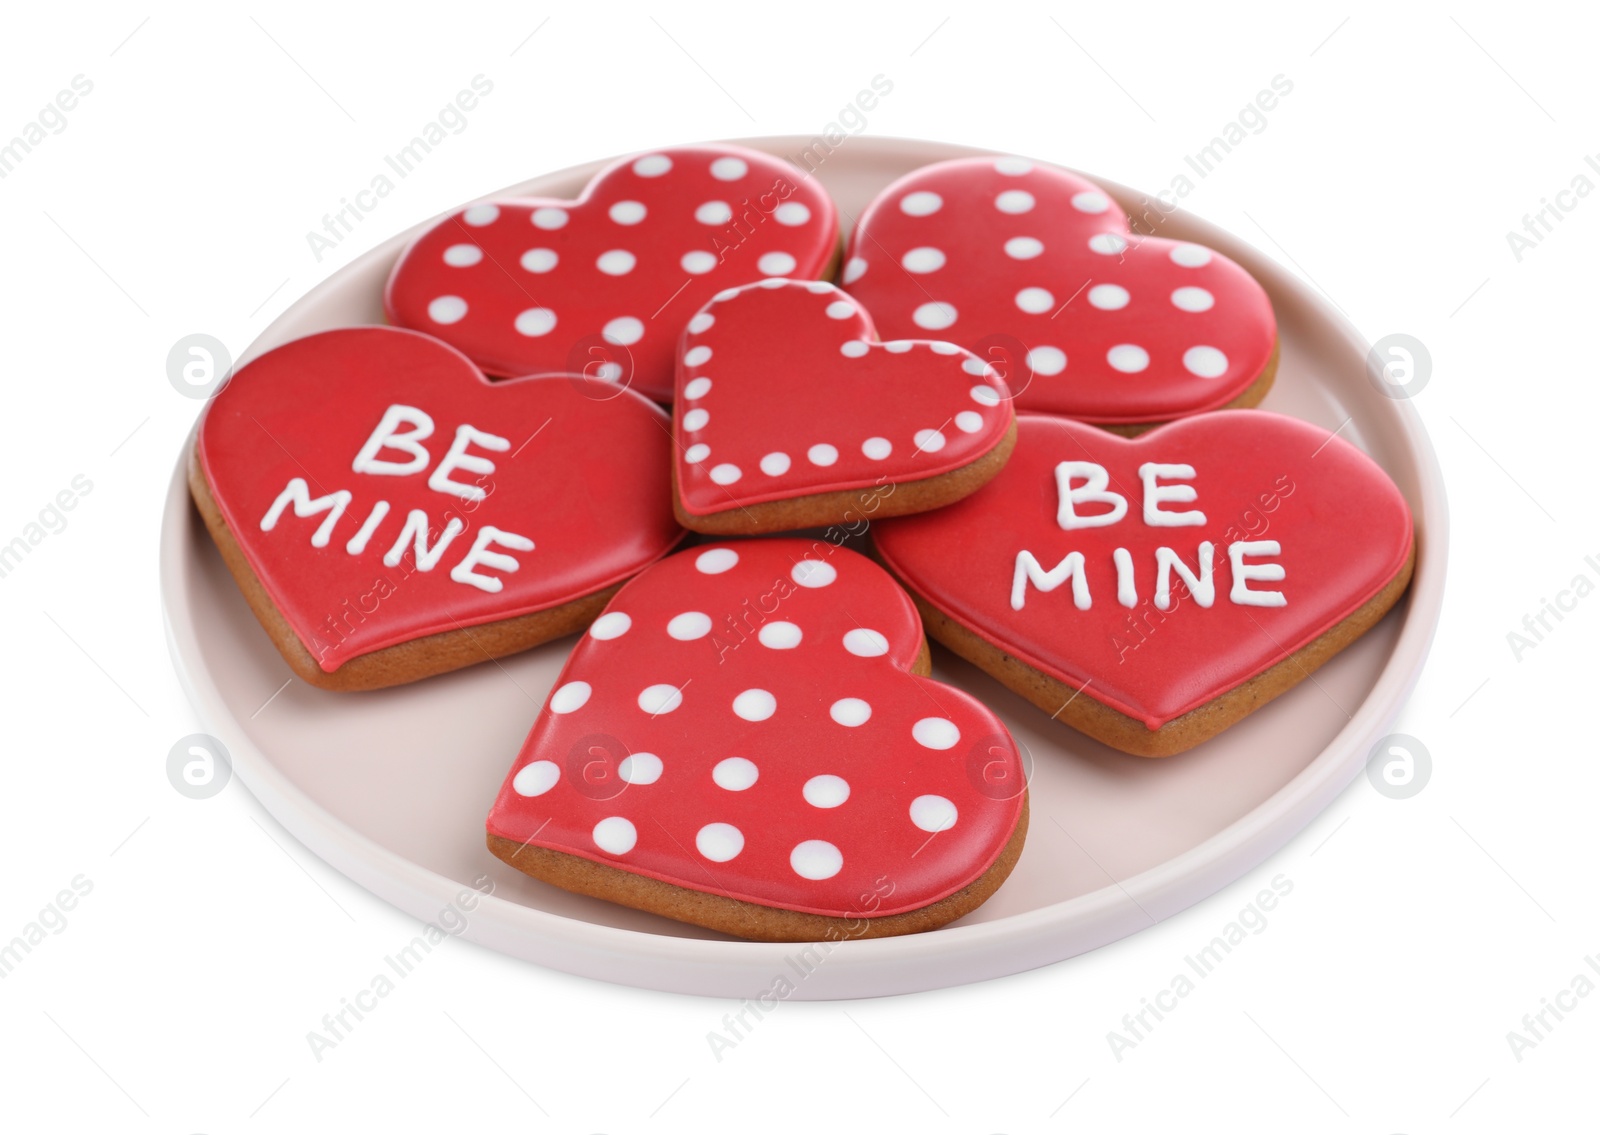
(1152, 592)
(391, 514)
(743, 741)
(1036, 270)
(602, 285)
(789, 414)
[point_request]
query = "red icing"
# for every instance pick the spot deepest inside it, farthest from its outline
(889, 863)
(775, 369)
(595, 260)
(584, 478)
(1072, 288)
(1343, 528)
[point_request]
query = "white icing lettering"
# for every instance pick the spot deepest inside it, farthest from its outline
(1202, 587)
(1244, 573)
(458, 458)
(299, 495)
(387, 436)
(1155, 495)
(1093, 490)
(358, 542)
(481, 555)
(415, 535)
(1127, 591)
(1030, 570)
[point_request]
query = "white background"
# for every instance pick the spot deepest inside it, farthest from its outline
(177, 200)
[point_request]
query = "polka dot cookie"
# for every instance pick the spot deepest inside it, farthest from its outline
(1024, 260)
(1153, 591)
(790, 414)
(390, 514)
(603, 285)
(744, 740)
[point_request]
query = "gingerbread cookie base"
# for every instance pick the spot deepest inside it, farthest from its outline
(404, 662)
(1080, 710)
(876, 502)
(1251, 397)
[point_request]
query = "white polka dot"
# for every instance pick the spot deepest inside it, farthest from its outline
(724, 295)
(697, 356)
(929, 441)
(813, 573)
(1107, 244)
(841, 309)
(969, 421)
(735, 774)
(775, 264)
(1013, 167)
(775, 464)
(934, 316)
(933, 813)
(1190, 256)
(779, 636)
(822, 454)
(608, 372)
(617, 262)
(462, 255)
(715, 561)
(1035, 301)
(702, 323)
(819, 287)
(922, 260)
(985, 395)
(791, 213)
(1108, 297)
(936, 733)
(480, 215)
(698, 263)
(539, 259)
(652, 165)
(816, 859)
(877, 448)
(940, 348)
(612, 624)
(1090, 201)
(627, 212)
(447, 309)
(755, 705)
(771, 284)
(826, 791)
(1128, 358)
(660, 699)
(850, 712)
(854, 270)
(1024, 247)
(729, 169)
(719, 842)
(689, 626)
(697, 453)
(615, 835)
(697, 388)
(640, 768)
(854, 348)
(865, 643)
(536, 779)
(977, 367)
(1047, 360)
(898, 346)
(1014, 201)
(1193, 299)
(549, 218)
(714, 213)
(535, 321)
(726, 473)
(920, 204)
(1205, 362)
(624, 331)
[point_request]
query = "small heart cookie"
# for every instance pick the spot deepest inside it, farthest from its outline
(603, 285)
(744, 741)
(1152, 592)
(389, 513)
(790, 414)
(1031, 265)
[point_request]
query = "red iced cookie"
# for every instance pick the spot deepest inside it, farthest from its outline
(741, 741)
(1010, 257)
(390, 514)
(1151, 592)
(603, 285)
(790, 414)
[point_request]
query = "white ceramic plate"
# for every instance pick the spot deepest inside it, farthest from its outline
(392, 788)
